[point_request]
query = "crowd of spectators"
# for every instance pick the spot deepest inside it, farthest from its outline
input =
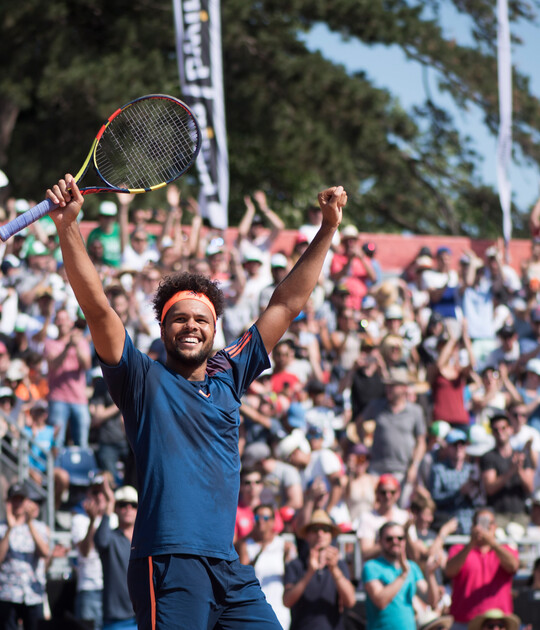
(401, 407)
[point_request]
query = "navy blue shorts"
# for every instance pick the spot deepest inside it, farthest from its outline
(183, 592)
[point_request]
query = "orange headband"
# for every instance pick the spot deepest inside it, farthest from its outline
(188, 295)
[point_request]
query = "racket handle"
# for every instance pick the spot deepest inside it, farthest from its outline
(25, 219)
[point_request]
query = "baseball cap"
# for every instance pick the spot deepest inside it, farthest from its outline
(533, 365)
(6, 392)
(39, 405)
(388, 479)
(21, 205)
(480, 442)
(301, 238)
(349, 231)
(506, 330)
(279, 261)
(126, 494)
(289, 444)
(108, 209)
(216, 246)
(360, 449)
(491, 252)
(369, 302)
(17, 370)
(296, 416)
(37, 248)
(443, 250)
(10, 262)
(440, 429)
(253, 255)
(424, 262)
(17, 489)
(394, 311)
(255, 453)
(456, 435)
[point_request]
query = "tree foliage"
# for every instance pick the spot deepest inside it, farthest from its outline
(295, 120)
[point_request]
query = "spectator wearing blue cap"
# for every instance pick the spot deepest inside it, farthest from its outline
(453, 484)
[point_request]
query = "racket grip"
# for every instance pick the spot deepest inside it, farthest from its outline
(25, 219)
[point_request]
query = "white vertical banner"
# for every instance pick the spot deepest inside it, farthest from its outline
(198, 49)
(504, 146)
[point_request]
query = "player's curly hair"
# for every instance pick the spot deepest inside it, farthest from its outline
(185, 281)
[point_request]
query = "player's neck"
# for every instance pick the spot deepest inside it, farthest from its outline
(189, 372)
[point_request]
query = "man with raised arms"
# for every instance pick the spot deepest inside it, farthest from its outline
(182, 422)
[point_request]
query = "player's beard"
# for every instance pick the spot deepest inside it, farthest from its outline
(191, 359)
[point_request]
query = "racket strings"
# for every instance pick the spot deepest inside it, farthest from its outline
(150, 142)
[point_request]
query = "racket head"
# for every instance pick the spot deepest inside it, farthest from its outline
(144, 145)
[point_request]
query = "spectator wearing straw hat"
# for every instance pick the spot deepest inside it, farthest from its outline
(495, 619)
(317, 587)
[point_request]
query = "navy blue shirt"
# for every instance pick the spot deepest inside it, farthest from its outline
(184, 435)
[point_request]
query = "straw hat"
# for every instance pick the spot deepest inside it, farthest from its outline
(320, 517)
(512, 621)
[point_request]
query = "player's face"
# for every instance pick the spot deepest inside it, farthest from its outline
(188, 332)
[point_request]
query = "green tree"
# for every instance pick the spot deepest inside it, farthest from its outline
(295, 120)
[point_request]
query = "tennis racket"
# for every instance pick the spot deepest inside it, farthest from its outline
(143, 146)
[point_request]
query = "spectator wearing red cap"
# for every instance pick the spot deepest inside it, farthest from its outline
(386, 509)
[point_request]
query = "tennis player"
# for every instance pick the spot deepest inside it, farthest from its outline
(182, 423)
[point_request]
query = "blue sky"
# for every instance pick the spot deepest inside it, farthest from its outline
(388, 68)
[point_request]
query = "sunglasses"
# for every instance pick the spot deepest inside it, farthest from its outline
(123, 504)
(263, 517)
(318, 528)
(386, 491)
(251, 482)
(392, 538)
(491, 625)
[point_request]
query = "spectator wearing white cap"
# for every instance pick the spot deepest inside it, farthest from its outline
(279, 267)
(108, 233)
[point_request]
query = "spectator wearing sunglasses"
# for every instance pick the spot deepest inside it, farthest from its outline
(267, 553)
(317, 586)
(369, 524)
(391, 583)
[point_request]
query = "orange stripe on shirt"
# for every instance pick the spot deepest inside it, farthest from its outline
(152, 594)
(239, 350)
(234, 345)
